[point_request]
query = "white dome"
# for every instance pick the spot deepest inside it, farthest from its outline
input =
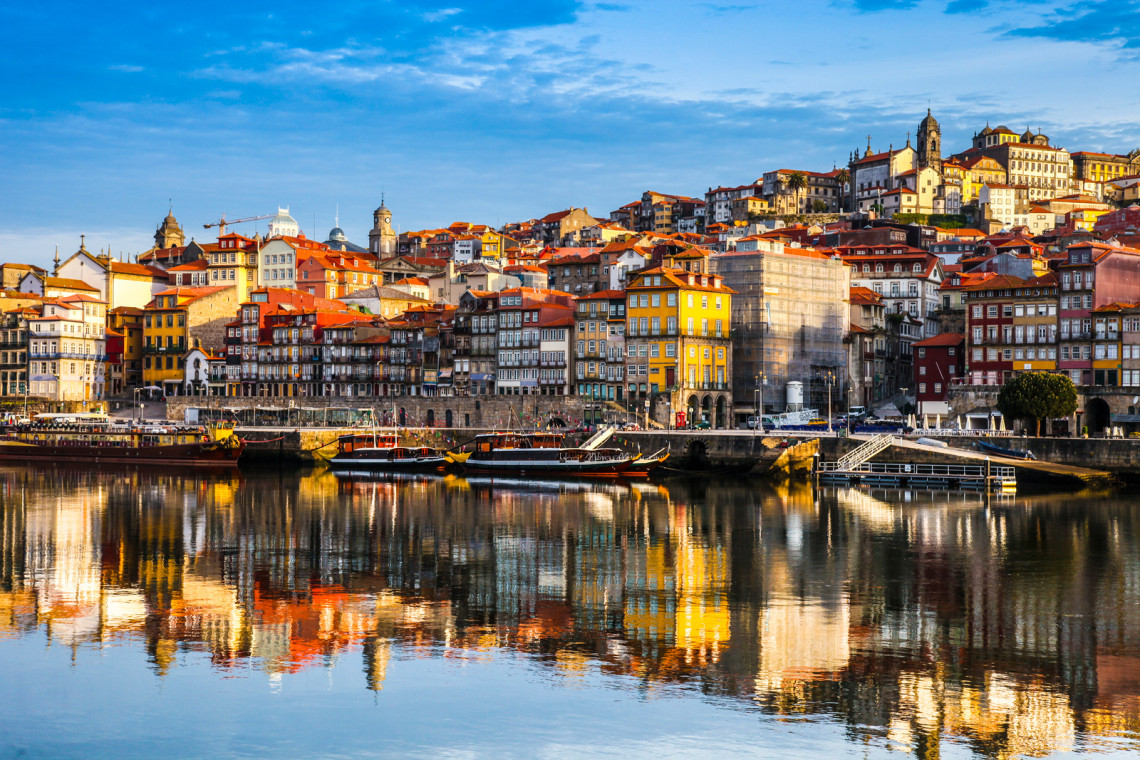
(283, 225)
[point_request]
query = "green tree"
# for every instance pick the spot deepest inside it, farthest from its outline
(1037, 396)
(818, 206)
(843, 177)
(796, 183)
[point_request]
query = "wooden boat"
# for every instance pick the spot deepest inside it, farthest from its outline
(509, 453)
(642, 466)
(990, 448)
(94, 438)
(381, 451)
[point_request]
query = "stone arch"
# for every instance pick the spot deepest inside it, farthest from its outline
(706, 409)
(430, 417)
(1098, 415)
(696, 455)
(403, 418)
(721, 413)
(448, 418)
(691, 411)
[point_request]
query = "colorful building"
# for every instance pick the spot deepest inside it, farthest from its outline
(678, 343)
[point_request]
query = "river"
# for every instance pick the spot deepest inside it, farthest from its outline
(304, 614)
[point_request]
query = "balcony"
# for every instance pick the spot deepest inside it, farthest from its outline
(178, 349)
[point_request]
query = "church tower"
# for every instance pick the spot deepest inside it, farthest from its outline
(169, 233)
(930, 143)
(382, 238)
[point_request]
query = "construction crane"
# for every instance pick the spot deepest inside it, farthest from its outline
(222, 223)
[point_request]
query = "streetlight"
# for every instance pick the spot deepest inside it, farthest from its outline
(647, 414)
(829, 378)
(758, 419)
(138, 407)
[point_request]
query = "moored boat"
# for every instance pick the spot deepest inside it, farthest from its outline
(95, 438)
(513, 453)
(990, 448)
(381, 451)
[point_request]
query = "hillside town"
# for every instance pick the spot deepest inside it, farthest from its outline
(900, 282)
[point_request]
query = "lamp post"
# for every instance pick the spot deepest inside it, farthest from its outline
(758, 419)
(647, 414)
(138, 407)
(830, 378)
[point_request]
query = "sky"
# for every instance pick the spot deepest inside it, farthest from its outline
(490, 111)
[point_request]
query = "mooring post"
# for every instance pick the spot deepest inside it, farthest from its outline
(988, 463)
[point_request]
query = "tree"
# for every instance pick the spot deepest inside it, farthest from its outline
(796, 183)
(1037, 396)
(843, 177)
(818, 206)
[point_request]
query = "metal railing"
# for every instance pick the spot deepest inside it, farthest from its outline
(863, 452)
(1000, 472)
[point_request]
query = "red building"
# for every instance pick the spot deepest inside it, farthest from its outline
(989, 326)
(938, 362)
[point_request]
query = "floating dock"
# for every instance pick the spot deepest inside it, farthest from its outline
(915, 475)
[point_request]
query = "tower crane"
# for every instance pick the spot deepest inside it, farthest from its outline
(222, 223)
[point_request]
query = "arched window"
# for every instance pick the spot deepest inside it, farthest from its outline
(879, 268)
(916, 268)
(898, 267)
(866, 267)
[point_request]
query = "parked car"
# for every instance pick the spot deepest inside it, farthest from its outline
(702, 425)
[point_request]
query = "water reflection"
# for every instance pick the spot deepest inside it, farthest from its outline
(1010, 627)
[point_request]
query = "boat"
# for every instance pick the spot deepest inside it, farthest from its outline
(513, 453)
(96, 438)
(989, 448)
(381, 451)
(642, 465)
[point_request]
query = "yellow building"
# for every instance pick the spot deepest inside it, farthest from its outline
(980, 172)
(678, 349)
(127, 322)
(232, 263)
(174, 322)
(1035, 324)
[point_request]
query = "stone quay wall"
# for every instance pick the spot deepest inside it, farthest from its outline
(482, 412)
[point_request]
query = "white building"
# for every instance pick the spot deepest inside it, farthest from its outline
(1001, 200)
(283, 225)
(118, 283)
(67, 349)
(277, 264)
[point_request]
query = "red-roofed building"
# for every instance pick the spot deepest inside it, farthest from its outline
(599, 350)
(563, 227)
(249, 331)
(522, 314)
(938, 362)
(907, 278)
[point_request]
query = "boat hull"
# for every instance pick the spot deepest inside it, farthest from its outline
(612, 469)
(194, 454)
(383, 464)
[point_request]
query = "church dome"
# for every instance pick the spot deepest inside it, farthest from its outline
(283, 225)
(1027, 136)
(928, 123)
(985, 131)
(337, 234)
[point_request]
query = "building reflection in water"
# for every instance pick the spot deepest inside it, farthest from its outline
(1012, 627)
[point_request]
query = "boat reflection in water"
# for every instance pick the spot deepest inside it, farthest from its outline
(913, 620)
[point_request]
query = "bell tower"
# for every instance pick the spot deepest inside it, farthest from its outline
(930, 143)
(382, 238)
(169, 233)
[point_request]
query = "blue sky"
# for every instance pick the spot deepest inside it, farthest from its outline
(494, 111)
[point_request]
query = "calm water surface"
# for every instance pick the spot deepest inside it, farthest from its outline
(148, 614)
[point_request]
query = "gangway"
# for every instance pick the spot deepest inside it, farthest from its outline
(864, 452)
(597, 439)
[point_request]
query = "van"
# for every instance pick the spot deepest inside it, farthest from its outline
(857, 412)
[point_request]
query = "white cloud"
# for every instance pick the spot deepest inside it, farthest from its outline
(441, 14)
